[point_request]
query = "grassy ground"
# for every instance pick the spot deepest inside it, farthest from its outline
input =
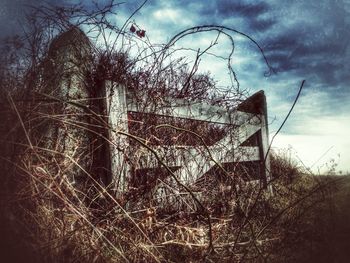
(327, 235)
(317, 229)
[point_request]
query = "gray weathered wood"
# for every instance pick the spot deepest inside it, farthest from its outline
(179, 156)
(193, 162)
(190, 110)
(118, 120)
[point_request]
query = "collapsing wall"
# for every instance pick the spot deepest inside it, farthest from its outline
(87, 113)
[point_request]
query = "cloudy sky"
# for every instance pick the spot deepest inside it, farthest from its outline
(302, 39)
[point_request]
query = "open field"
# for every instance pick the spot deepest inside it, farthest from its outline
(326, 235)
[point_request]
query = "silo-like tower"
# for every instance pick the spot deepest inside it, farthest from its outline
(74, 124)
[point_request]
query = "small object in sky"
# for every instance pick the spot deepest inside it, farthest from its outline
(141, 33)
(132, 29)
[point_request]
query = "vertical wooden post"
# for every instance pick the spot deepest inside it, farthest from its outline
(118, 120)
(256, 104)
(265, 158)
(264, 147)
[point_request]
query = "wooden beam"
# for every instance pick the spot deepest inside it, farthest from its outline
(118, 120)
(180, 156)
(192, 110)
(241, 133)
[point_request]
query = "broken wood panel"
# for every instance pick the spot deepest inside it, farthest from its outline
(193, 111)
(180, 157)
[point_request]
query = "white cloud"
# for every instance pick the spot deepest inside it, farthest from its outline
(313, 128)
(174, 16)
(316, 151)
(167, 14)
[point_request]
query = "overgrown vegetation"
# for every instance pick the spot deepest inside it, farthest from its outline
(59, 202)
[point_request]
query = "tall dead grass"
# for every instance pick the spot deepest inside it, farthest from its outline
(59, 222)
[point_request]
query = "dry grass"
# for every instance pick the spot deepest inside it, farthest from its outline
(58, 222)
(57, 208)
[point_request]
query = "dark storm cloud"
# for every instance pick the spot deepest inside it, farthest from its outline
(304, 55)
(261, 24)
(218, 11)
(227, 7)
(316, 46)
(13, 12)
(304, 38)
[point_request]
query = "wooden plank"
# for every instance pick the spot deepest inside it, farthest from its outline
(264, 145)
(118, 120)
(241, 133)
(196, 161)
(192, 110)
(180, 156)
(200, 165)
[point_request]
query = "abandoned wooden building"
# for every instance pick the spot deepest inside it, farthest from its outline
(106, 130)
